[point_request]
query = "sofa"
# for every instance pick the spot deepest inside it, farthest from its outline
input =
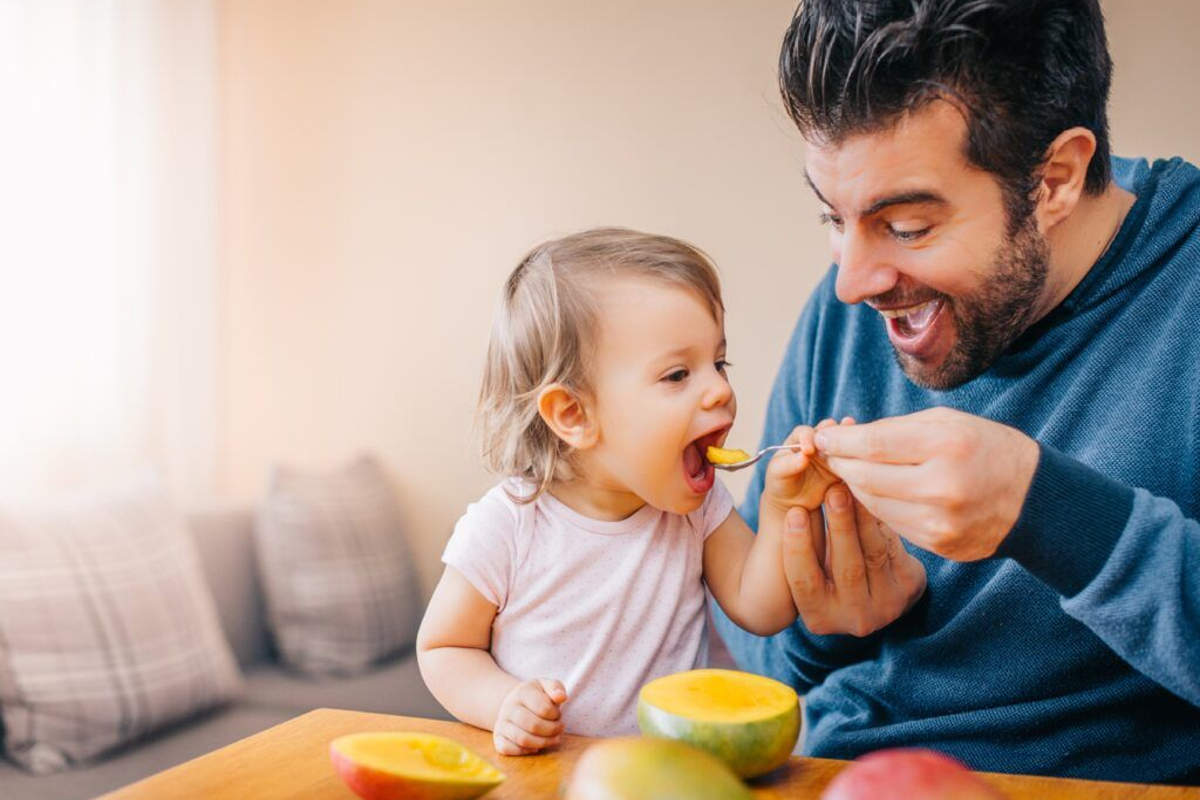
(271, 694)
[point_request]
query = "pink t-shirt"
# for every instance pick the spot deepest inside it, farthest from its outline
(602, 606)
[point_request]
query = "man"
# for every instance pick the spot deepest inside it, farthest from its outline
(1012, 319)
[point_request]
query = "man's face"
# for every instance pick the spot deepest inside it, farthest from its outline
(922, 237)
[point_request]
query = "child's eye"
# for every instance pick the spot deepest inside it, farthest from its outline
(677, 376)
(722, 365)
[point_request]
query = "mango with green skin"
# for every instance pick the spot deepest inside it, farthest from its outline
(748, 721)
(651, 769)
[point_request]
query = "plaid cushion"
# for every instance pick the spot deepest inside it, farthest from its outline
(340, 586)
(107, 628)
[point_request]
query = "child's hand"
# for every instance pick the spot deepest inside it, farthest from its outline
(529, 718)
(798, 477)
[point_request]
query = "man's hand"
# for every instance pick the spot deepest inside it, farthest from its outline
(798, 477)
(529, 719)
(947, 481)
(857, 579)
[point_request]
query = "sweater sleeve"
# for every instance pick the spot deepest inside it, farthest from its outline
(1126, 563)
(794, 656)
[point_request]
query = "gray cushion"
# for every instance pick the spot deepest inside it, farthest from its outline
(392, 688)
(142, 759)
(338, 576)
(225, 540)
(107, 628)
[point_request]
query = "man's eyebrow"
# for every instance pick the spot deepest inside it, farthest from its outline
(902, 198)
(808, 179)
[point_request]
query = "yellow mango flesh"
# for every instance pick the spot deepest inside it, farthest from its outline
(382, 766)
(719, 695)
(719, 455)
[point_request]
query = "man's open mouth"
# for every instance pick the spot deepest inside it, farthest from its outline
(697, 470)
(913, 329)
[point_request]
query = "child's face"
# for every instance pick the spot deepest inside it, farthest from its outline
(661, 396)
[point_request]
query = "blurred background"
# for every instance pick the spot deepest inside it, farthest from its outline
(240, 234)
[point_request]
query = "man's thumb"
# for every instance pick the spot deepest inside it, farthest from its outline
(796, 522)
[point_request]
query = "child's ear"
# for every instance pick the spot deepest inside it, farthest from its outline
(567, 416)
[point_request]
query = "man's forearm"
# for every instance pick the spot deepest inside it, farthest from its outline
(1127, 564)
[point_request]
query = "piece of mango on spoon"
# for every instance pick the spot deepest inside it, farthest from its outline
(720, 455)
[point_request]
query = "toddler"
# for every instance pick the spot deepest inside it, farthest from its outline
(581, 576)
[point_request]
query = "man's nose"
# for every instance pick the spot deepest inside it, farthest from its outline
(863, 271)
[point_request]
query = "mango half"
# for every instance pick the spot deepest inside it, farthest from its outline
(748, 721)
(410, 766)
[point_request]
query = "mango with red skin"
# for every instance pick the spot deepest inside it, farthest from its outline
(371, 783)
(908, 774)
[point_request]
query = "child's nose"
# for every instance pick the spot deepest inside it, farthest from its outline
(717, 393)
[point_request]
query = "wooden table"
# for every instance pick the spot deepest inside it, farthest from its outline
(291, 760)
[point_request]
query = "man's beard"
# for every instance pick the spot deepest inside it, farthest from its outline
(989, 320)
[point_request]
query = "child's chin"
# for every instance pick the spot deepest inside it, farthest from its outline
(684, 506)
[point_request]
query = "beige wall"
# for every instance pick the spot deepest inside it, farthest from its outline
(386, 163)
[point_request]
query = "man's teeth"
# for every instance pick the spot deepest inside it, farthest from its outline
(896, 313)
(913, 317)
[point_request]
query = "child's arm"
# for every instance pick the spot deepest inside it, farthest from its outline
(452, 652)
(744, 571)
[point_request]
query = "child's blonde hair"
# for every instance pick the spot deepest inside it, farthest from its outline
(545, 328)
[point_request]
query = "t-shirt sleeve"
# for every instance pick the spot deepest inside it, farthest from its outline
(715, 509)
(483, 546)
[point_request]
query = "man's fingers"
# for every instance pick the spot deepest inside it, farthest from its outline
(816, 527)
(897, 440)
(877, 551)
(907, 481)
(897, 516)
(801, 564)
(846, 566)
(903, 570)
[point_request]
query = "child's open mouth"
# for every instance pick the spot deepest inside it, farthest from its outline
(698, 473)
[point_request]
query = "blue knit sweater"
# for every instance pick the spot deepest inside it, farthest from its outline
(1075, 651)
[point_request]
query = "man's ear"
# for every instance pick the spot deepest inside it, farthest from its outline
(1064, 172)
(566, 414)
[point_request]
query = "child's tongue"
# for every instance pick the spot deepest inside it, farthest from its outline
(693, 461)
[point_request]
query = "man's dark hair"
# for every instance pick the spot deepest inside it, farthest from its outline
(1023, 71)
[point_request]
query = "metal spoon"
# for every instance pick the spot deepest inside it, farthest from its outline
(734, 467)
